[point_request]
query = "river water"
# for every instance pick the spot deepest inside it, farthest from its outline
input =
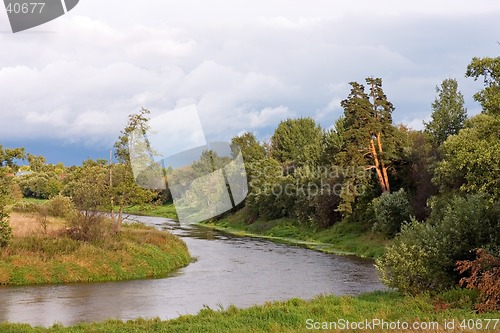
(229, 270)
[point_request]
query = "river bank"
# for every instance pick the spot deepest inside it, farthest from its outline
(41, 253)
(343, 238)
(323, 313)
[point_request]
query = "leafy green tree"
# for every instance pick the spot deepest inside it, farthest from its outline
(489, 69)
(392, 210)
(5, 229)
(123, 187)
(448, 114)
(297, 142)
(250, 148)
(470, 159)
(8, 157)
(36, 162)
(333, 141)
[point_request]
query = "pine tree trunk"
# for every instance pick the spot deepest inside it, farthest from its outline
(380, 176)
(382, 164)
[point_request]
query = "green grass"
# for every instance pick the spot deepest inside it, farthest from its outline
(137, 252)
(291, 316)
(342, 238)
(167, 210)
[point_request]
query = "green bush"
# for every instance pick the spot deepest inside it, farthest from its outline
(5, 233)
(423, 256)
(413, 263)
(60, 206)
(391, 211)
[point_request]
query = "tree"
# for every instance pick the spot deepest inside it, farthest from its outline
(369, 139)
(333, 141)
(5, 230)
(489, 69)
(36, 162)
(8, 157)
(8, 164)
(250, 148)
(89, 192)
(297, 142)
(123, 187)
(470, 159)
(448, 114)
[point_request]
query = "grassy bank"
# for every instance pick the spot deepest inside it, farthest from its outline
(293, 315)
(167, 210)
(46, 255)
(342, 238)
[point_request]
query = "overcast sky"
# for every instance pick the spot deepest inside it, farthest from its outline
(67, 87)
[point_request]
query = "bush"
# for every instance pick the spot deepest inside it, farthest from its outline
(26, 207)
(484, 277)
(391, 211)
(89, 227)
(60, 206)
(413, 263)
(5, 233)
(423, 256)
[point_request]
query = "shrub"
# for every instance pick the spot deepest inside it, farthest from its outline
(26, 207)
(413, 263)
(423, 256)
(60, 206)
(5, 233)
(391, 211)
(484, 277)
(89, 227)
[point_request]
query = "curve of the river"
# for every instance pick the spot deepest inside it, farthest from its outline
(229, 270)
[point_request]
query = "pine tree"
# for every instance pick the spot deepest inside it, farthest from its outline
(368, 138)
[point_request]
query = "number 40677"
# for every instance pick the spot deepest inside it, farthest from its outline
(25, 7)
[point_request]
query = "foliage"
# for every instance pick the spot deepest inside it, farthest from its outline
(40, 185)
(413, 262)
(5, 233)
(369, 138)
(8, 157)
(137, 252)
(489, 69)
(448, 114)
(422, 257)
(416, 170)
(391, 211)
(5, 230)
(470, 159)
(297, 142)
(484, 276)
(250, 148)
(60, 206)
(36, 162)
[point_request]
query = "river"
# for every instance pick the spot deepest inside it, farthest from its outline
(243, 271)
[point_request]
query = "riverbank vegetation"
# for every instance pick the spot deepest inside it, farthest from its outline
(47, 248)
(57, 233)
(295, 315)
(431, 197)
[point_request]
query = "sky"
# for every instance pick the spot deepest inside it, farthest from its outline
(68, 86)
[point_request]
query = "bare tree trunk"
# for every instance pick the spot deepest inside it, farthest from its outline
(380, 176)
(384, 169)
